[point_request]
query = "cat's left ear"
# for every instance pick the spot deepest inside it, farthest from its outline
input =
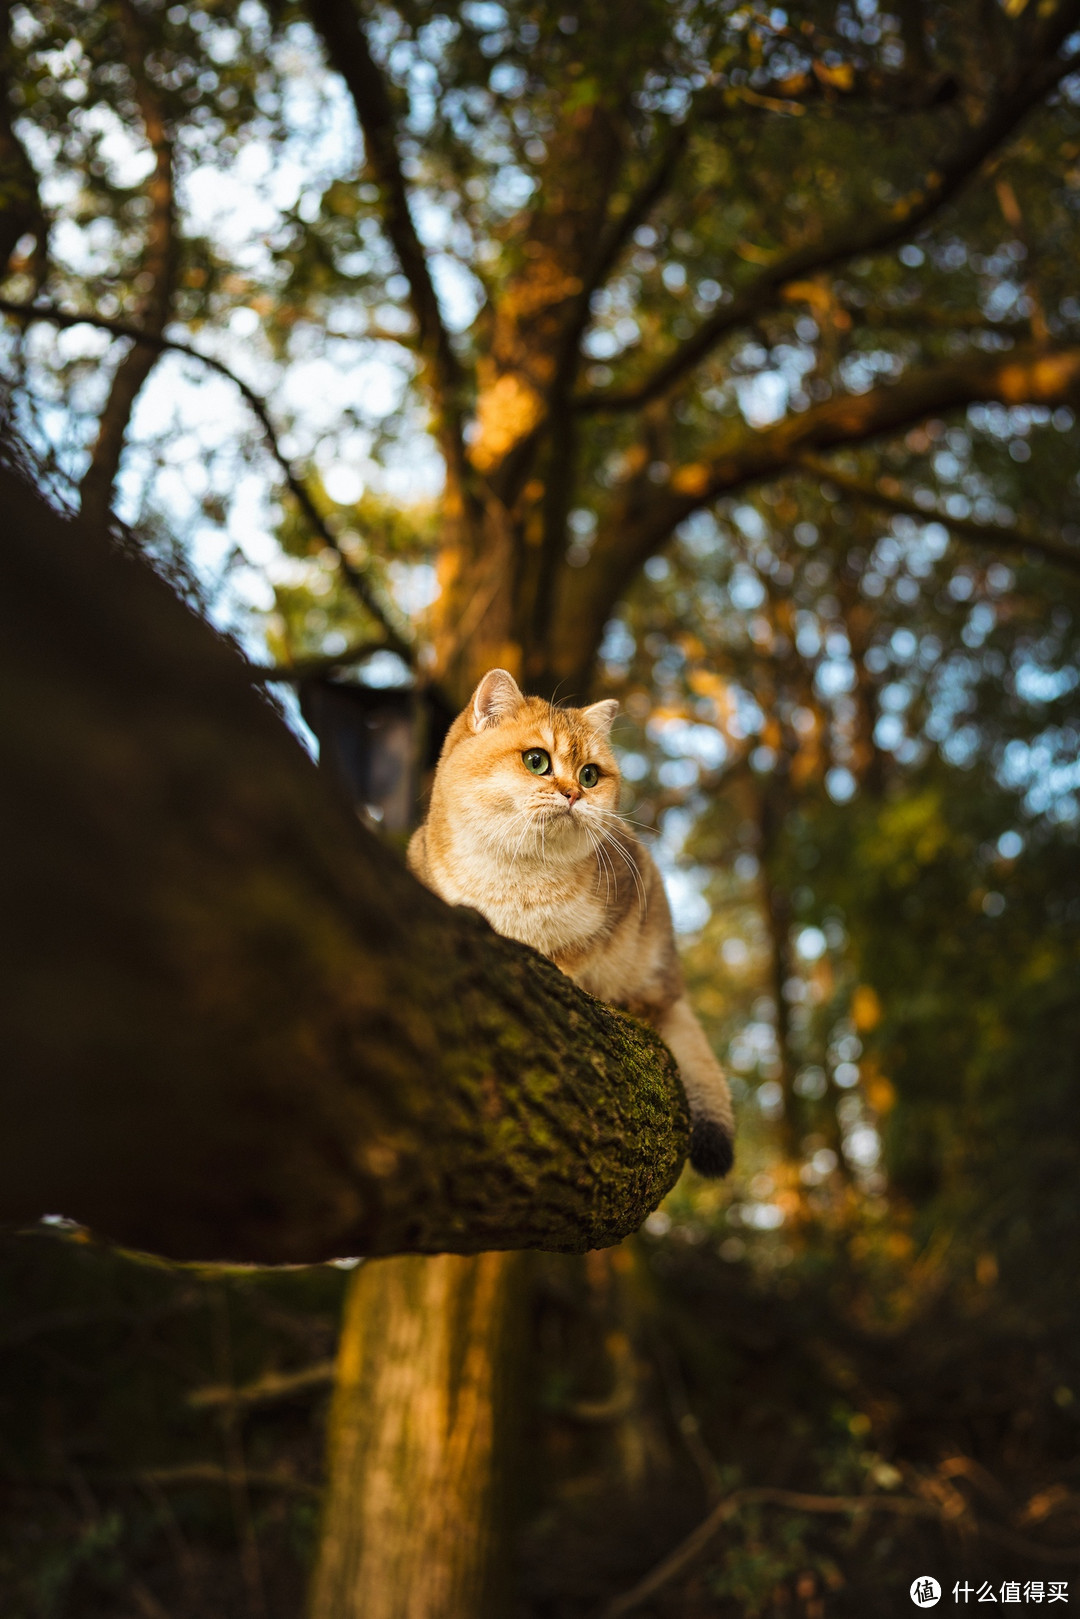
(497, 695)
(601, 716)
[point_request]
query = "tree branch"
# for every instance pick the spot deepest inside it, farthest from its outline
(309, 668)
(887, 494)
(918, 318)
(159, 263)
(614, 238)
(358, 581)
(858, 236)
(567, 347)
(20, 203)
(341, 30)
(264, 1390)
(619, 230)
(684, 1555)
(235, 1026)
(1023, 376)
(643, 520)
(902, 1506)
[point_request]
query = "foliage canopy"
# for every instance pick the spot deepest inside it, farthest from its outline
(724, 360)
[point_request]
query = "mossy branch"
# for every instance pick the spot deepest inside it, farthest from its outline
(236, 1027)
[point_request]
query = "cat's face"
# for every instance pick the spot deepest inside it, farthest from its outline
(528, 779)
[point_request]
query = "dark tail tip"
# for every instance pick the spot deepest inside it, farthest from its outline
(712, 1151)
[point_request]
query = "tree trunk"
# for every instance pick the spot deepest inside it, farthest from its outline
(416, 1495)
(416, 1522)
(235, 1026)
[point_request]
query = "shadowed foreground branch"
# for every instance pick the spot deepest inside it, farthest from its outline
(236, 1026)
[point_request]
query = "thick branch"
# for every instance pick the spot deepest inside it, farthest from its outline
(1023, 376)
(888, 495)
(235, 1026)
(620, 229)
(566, 349)
(339, 25)
(647, 516)
(287, 674)
(858, 236)
(357, 580)
(617, 234)
(158, 265)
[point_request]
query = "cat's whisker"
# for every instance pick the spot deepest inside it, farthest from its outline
(607, 835)
(603, 864)
(610, 865)
(506, 832)
(608, 817)
(643, 900)
(620, 815)
(529, 816)
(596, 858)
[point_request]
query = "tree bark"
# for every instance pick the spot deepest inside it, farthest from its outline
(235, 1026)
(416, 1493)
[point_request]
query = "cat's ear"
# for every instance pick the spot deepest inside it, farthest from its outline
(601, 715)
(496, 696)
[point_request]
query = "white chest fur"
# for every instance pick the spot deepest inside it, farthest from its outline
(555, 908)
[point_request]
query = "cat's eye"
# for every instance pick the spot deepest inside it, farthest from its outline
(536, 761)
(589, 776)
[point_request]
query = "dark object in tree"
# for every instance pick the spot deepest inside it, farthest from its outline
(368, 741)
(378, 742)
(235, 1026)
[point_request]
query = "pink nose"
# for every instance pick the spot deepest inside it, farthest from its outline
(571, 794)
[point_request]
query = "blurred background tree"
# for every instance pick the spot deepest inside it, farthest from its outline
(725, 361)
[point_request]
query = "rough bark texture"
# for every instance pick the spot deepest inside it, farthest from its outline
(416, 1492)
(235, 1026)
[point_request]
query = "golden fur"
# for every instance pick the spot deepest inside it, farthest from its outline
(547, 860)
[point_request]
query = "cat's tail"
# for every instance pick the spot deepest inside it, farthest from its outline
(712, 1137)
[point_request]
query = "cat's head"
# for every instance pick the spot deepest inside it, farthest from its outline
(524, 776)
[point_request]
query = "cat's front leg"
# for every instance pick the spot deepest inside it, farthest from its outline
(712, 1117)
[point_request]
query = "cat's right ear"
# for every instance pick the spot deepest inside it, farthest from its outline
(497, 695)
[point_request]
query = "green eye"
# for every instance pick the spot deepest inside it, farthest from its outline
(590, 775)
(537, 761)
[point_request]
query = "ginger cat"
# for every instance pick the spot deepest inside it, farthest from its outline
(523, 826)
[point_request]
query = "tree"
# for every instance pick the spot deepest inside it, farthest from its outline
(645, 196)
(695, 252)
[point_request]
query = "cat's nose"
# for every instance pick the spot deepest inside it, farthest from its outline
(571, 794)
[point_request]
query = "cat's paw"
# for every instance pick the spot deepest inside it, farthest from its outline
(712, 1151)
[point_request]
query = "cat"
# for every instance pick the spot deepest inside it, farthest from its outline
(523, 826)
